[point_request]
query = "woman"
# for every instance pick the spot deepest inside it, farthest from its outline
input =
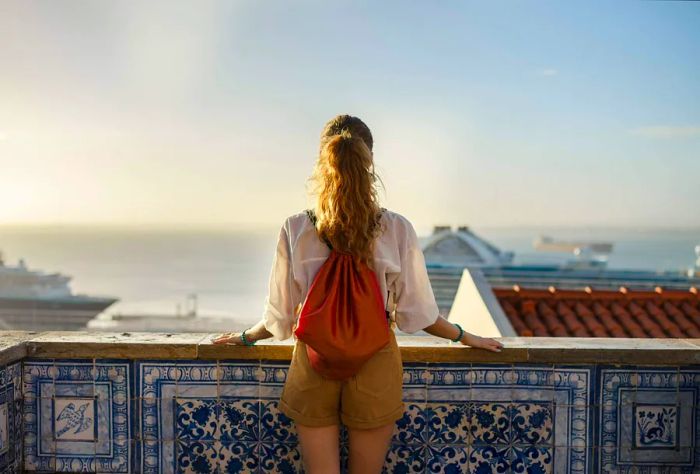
(348, 215)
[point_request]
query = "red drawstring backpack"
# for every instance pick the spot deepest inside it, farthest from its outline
(343, 321)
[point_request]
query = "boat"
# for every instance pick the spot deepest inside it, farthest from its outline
(34, 300)
(548, 244)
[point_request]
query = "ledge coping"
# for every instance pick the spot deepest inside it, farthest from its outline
(15, 345)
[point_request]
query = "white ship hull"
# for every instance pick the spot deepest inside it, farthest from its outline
(39, 314)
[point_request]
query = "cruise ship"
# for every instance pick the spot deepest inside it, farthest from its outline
(37, 301)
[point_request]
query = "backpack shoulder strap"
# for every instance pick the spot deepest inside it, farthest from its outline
(312, 217)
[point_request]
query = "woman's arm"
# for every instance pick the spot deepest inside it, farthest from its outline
(253, 334)
(283, 294)
(444, 328)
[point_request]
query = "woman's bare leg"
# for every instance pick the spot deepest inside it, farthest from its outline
(320, 450)
(367, 449)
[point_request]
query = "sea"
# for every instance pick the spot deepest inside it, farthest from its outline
(154, 270)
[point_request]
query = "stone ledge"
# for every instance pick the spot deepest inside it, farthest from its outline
(15, 345)
(12, 345)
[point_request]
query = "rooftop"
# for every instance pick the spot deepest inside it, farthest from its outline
(602, 313)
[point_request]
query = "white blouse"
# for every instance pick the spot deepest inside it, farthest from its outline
(399, 266)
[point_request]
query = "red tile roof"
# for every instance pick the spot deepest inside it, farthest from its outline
(598, 313)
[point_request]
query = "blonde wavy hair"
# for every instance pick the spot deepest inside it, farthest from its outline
(344, 183)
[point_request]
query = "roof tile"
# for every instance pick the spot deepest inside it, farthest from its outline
(595, 313)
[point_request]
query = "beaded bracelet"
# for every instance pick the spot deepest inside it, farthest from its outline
(461, 332)
(245, 341)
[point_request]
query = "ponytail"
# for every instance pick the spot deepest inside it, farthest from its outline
(347, 204)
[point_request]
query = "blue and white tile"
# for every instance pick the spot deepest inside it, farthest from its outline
(221, 410)
(6, 422)
(74, 419)
(415, 377)
(118, 463)
(161, 391)
(532, 423)
(411, 428)
(196, 419)
(275, 426)
(490, 423)
(13, 376)
(239, 420)
(447, 423)
(10, 417)
(405, 458)
(485, 459)
(76, 411)
(280, 458)
(648, 419)
(518, 413)
(199, 456)
(274, 372)
(448, 459)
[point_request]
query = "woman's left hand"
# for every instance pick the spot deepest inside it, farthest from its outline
(230, 338)
(481, 342)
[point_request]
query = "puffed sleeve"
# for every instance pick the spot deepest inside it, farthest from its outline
(416, 307)
(283, 292)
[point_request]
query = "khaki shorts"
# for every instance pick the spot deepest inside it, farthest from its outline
(371, 398)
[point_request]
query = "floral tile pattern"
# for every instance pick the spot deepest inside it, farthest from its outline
(192, 416)
(220, 417)
(512, 418)
(458, 418)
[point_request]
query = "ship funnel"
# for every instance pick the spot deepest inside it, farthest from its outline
(441, 228)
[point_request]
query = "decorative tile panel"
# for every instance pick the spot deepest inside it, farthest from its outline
(77, 416)
(510, 419)
(219, 418)
(649, 420)
(203, 416)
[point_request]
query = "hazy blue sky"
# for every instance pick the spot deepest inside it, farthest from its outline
(488, 114)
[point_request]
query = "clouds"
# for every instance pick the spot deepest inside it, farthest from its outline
(667, 132)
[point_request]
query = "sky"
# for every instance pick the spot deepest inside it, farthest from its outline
(484, 114)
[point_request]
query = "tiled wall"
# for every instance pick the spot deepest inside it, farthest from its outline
(194, 416)
(10, 417)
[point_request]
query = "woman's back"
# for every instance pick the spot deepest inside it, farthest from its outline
(398, 263)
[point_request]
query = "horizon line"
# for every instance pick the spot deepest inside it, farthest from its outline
(261, 225)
